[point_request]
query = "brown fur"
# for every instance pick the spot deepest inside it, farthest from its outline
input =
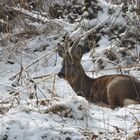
(113, 90)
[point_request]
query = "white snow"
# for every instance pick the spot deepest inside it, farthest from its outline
(22, 118)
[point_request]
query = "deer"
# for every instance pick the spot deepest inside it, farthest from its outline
(116, 90)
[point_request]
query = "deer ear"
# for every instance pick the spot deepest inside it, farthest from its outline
(60, 50)
(76, 50)
(78, 53)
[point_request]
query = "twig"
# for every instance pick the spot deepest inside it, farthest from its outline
(96, 70)
(122, 67)
(138, 122)
(13, 77)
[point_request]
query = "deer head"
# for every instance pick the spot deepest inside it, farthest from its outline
(71, 60)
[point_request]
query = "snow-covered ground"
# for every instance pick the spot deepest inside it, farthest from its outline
(37, 105)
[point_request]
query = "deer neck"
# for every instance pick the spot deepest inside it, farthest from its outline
(82, 84)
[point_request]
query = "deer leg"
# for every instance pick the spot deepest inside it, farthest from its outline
(113, 100)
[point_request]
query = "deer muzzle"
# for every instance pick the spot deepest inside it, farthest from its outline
(61, 75)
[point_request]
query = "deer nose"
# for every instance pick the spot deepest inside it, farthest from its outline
(61, 75)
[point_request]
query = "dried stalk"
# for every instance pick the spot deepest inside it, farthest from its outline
(13, 94)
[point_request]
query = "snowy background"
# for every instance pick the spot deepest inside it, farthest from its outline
(37, 105)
